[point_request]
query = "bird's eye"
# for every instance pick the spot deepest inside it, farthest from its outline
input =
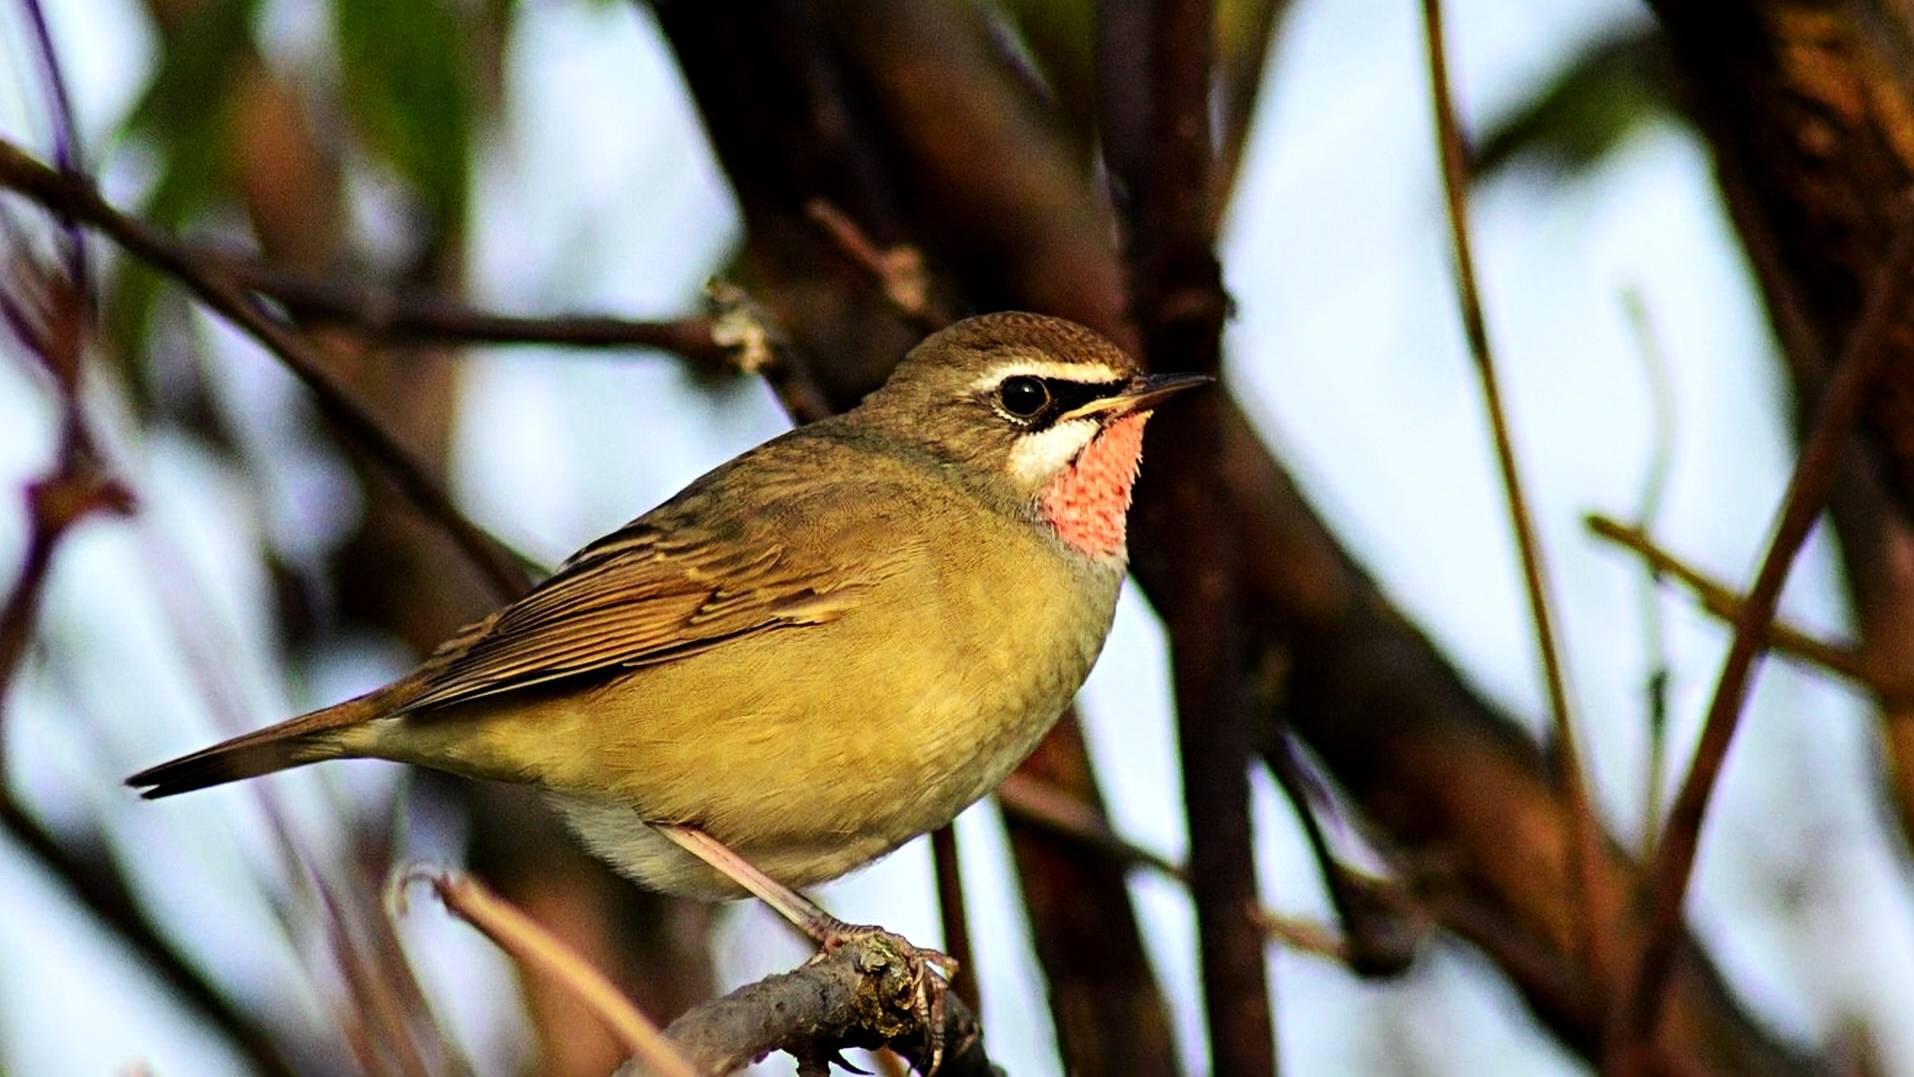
(1023, 396)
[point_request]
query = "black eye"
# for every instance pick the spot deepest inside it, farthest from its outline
(1023, 396)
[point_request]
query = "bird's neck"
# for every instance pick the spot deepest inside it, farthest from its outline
(1089, 500)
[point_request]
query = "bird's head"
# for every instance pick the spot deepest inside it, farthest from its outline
(1041, 415)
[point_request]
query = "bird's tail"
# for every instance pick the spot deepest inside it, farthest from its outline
(308, 738)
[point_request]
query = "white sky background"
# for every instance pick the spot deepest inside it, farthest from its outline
(1347, 347)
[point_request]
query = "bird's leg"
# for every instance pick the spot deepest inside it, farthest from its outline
(828, 931)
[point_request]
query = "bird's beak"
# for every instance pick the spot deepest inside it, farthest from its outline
(1143, 393)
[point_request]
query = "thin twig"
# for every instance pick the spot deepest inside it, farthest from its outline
(1720, 600)
(1375, 940)
(899, 271)
(954, 916)
(410, 317)
(104, 895)
(1060, 813)
(18, 172)
(535, 948)
(1847, 392)
(1584, 853)
(1661, 462)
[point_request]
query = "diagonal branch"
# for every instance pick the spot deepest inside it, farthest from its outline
(1848, 391)
(73, 195)
(1719, 599)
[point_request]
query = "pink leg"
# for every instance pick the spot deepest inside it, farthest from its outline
(821, 926)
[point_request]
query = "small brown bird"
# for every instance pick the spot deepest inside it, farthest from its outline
(814, 653)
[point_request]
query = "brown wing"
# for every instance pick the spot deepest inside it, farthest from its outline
(635, 597)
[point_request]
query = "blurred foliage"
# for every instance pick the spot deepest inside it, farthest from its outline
(184, 118)
(408, 90)
(1572, 122)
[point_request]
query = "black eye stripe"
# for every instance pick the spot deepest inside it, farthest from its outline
(1069, 395)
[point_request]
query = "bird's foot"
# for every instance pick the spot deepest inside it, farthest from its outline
(927, 987)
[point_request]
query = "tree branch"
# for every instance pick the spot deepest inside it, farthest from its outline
(74, 195)
(1584, 835)
(1719, 599)
(1848, 391)
(1157, 148)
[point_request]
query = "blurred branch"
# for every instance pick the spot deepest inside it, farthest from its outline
(1848, 391)
(898, 270)
(1379, 938)
(534, 947)
(1245, 30)
(406, 316)
(1721, 600)
(955, 918)
(20, 173)
(104, 895)
(1158, 150)
(1661, 463)
(1024, 798)
(47, 313)
(1584, 834)
(1576, 118)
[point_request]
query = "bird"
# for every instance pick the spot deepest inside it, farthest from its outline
(821, 649)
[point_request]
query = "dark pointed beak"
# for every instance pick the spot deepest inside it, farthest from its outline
(1143, 393)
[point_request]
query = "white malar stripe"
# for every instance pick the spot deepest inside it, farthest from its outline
(1087, 373)
(1038, 456)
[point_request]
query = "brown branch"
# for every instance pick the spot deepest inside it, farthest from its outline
(409, 317)
(1585, 835)
(1722, 601)
(967, 980)
(1847, 393)
(534, 947)
(20, 173)
(1159, 154)
(858, 995)
(898, 271)
(861, 994)
(1024, 798)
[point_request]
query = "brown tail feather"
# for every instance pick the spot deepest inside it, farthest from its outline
(308, 738)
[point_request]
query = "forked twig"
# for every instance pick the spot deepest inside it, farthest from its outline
(1854, 377)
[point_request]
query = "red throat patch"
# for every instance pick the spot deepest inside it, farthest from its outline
(1088, 502)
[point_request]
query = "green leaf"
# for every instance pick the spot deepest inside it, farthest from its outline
(183, 117)
(1576, 119)
(408, 91)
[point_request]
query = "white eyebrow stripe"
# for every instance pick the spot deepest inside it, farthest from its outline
(1087, 373)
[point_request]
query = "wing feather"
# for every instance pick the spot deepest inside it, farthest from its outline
(634, 598)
